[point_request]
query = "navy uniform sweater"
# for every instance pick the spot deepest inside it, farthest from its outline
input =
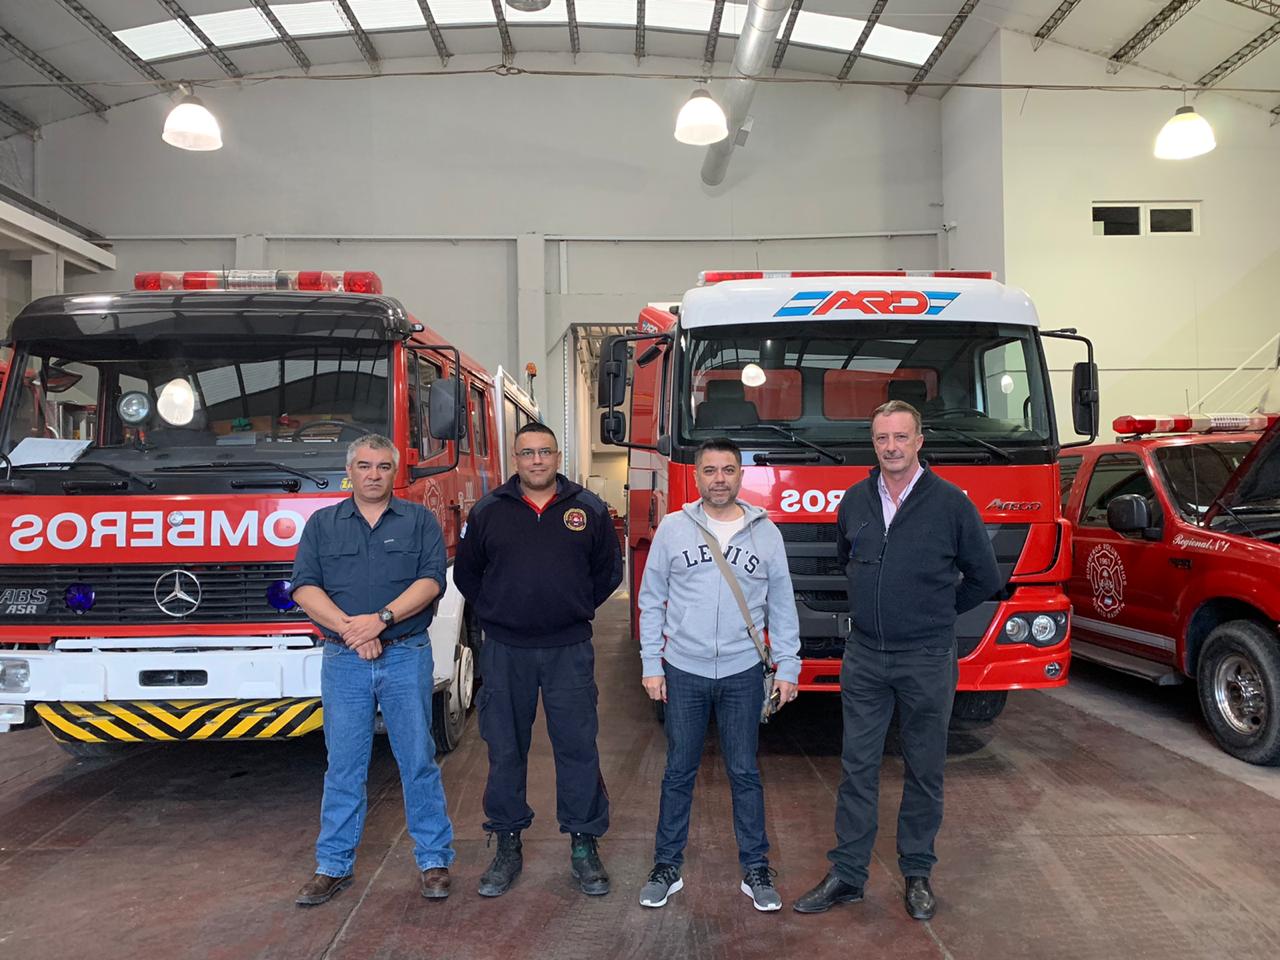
(535, 580)
(908, 584)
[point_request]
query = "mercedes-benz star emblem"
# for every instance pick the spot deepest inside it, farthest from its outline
(177, 593)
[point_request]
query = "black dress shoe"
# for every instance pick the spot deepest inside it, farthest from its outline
(919, 899)
(321, 889)
(827, 894)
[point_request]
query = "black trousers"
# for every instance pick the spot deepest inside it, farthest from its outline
(922, 684)
(508, 704)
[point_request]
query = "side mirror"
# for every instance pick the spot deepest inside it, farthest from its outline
(613, 427)
(1084, 398)
(446, 409)
(611, 383)
(1129, 513)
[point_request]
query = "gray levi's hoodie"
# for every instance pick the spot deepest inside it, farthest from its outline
(688, 615)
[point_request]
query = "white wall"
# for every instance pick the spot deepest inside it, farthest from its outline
(1169, 315)
(485, 155)
(482, 160)
(973, 169)
(15, 289)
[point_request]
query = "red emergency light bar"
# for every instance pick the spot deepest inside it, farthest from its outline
(1186, 423)
(717, 276)
(321, 281)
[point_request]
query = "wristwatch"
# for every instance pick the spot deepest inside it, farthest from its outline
(386, 616)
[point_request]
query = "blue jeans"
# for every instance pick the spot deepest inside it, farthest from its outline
(736, 701)
(351, 691)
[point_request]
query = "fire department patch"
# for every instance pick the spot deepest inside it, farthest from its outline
(1107, 579)
(576, 519)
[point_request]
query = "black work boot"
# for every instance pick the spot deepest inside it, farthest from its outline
(587, 868)
(506, 866)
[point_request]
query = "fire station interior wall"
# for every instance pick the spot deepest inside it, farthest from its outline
(486, 155)
(464, 290)
(15, 288)
(973, 170)
(1170, 315)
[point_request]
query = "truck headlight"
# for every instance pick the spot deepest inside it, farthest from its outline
(1042, 628)
(1016, 630)
(15, 675)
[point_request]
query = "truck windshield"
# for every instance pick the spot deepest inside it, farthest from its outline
(1195, 473)
(199, 398)
(974, 384)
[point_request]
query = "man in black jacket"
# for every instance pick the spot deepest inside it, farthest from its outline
(917, 555)
(537, 556)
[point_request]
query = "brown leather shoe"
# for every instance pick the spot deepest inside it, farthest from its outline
(321, 889)
(435, 883)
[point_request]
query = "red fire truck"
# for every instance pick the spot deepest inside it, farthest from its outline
(147, 535)
(1177, 564)
(791, 365)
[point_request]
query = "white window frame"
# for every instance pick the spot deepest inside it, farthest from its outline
(1145, 208)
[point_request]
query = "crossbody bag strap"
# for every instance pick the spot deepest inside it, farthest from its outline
(718, 555)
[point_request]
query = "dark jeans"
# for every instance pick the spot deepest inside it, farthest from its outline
(922, 683)
(508, 703)
(736, 701)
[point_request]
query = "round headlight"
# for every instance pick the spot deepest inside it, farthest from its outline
(1016, 629)
(1043, 628)
(134, 407)
(177, 402)
(280, 595)
(80, 597)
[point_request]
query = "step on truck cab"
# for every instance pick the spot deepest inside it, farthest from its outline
(1177, 564)
(791, 365)
(150, 508)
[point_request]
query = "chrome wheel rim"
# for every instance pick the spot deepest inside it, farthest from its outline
(1240, 695)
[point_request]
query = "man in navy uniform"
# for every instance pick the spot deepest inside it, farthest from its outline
(538, 555)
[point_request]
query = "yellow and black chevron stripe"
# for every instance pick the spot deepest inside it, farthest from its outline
(142, 721)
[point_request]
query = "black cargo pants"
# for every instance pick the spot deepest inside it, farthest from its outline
(508, 703)
(922, 684)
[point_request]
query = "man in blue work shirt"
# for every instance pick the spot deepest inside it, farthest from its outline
(367, 571)
(537, 556)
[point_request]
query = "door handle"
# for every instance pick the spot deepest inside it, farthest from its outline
(1182, 563)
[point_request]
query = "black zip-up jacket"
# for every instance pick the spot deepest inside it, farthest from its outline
(908, 584)
(535, 580)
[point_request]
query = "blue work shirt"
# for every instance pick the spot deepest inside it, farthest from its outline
(363, 568)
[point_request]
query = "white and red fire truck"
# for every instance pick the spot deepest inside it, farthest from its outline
(161, 453)
(1177, 564)
(791, 365)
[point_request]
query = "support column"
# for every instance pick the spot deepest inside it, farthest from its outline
(48, 274)
(531, 314)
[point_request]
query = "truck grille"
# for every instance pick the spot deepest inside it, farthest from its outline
(126, 595)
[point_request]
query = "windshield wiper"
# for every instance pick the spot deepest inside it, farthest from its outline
(71, 465)
(320, 482)
(955, 431)
(1234, 516)
(833, 457)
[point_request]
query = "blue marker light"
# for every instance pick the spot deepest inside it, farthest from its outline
(279, 595)
(80, 597)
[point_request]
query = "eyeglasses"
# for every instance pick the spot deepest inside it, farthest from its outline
(545, 453)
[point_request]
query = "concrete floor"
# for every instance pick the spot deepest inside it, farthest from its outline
(1071, 832)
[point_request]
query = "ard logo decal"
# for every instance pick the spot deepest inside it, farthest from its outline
(1107, 579)
(576, 519)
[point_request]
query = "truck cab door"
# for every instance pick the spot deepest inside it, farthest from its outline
(1119, 585)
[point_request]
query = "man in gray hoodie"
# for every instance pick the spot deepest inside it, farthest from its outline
(698, 657)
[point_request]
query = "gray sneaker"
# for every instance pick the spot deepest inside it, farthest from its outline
(664, 880)
(757, 883)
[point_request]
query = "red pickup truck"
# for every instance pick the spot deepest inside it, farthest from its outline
(1176, 565)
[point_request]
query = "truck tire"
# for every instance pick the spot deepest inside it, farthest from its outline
(976, 708)
(449, 706)
(1238, 680)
